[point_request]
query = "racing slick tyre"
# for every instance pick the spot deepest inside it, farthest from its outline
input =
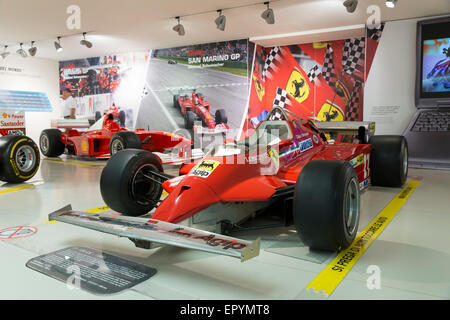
(124, 140)
(221, 116)
(327, 205)
(176, 102)
(19, 158)
(127, 184)
(50, 143)
(98, 115)
(189, 120)
(389, 161)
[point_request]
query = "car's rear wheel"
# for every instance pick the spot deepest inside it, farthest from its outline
(20, 158)
(189, 120)
(327, 205)
(124, 140)
(128, 185)
(176, 101)
(221, 116)
(50, 143)
(389, 161)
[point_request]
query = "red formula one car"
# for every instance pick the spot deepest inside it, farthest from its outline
(195, 108)
(106, 137)
(287, 163)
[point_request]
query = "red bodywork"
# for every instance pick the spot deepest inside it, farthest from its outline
(242, 180)
(201, 108)
(95, 143)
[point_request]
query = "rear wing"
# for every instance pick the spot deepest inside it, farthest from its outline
(152, 230)
(364, 130)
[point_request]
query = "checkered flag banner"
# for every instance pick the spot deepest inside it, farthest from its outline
(353, 53)
(353, 106)
(375, 33)
(328, 70)
(281, 98)
(273, 54)
(314, 73)
(276, 116)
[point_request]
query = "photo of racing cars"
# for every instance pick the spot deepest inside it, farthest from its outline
(216, 73)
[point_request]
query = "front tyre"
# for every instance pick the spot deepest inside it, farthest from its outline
(20, 158)
(128, 185)
(124, 140)
(327, 205)
(389, 161)
(50, 143)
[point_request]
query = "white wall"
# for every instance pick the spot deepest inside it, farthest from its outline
(37, 75)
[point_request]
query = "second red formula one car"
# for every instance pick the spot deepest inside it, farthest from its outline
(287, 163)
(106, 137)
(196, 108)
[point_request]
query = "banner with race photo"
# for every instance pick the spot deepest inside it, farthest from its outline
(322, 81)
(198, 89)
(99, 83)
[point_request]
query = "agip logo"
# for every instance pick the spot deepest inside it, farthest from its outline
(205, 168)
(297, 86)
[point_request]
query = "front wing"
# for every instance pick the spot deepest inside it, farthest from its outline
(160, 232)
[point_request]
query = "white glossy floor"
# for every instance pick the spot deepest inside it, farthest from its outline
(413, 252)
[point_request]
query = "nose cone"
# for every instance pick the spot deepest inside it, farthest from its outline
(185, 200)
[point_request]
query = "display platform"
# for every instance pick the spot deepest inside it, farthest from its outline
(412, 253)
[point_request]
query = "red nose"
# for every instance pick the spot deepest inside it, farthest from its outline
(186, 200)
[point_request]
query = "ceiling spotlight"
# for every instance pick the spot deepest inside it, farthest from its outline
(84, 42)
(5, 53)
(32, 51)
(268, 14)
(22, 52)
(351, 5)
(220, 21)
(179, 28)
(391, 3)
(58, 46)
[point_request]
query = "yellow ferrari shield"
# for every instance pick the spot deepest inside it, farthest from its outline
(259, 88)
(330, 112)
(297, 86)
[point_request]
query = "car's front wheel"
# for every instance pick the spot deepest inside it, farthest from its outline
(128, 183)
(124, 140)
(327, 205)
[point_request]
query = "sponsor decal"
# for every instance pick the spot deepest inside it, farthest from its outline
(316, 139)
(297, 86)
(359, 160)
(274, 155)
(16, 132)
(205, 168)
(364, 184)
(84, 146)
(306, 145)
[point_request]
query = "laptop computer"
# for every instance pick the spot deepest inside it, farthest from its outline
(428, 133)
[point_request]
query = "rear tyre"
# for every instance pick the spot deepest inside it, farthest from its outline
(176, 102)
(221, 116)
(389, 161)
(124, 140)
(327, 205)
(50, 143)
(125, 185)
(189, 120)
(20, 158)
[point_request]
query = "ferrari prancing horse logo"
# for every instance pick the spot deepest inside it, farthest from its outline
(297, 86)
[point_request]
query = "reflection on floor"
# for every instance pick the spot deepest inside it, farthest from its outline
(412, 253)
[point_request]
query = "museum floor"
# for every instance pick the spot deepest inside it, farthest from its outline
(412, 253)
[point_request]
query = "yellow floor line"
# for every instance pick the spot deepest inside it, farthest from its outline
(327, 281)
(17, 188)
(76, 163)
